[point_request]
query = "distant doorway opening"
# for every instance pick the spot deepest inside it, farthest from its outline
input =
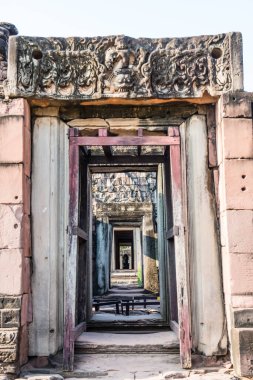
(124, 250)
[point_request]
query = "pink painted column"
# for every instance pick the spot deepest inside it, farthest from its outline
(15, 238)
(235, 163)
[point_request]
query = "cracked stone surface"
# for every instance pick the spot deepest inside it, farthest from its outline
(128, 367)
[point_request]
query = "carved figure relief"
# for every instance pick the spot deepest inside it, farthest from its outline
(120, 66)
(124, 187)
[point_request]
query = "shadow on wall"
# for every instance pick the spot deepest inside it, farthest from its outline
(102, 262)
(150, 264)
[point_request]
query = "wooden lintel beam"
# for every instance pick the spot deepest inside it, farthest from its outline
(125, 140)
(127, 160)
(102, 132)
(80, 233)
(73, 132)
(173, 131)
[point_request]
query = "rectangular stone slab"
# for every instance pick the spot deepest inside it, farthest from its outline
(123, 67)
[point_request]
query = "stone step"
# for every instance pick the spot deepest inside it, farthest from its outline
(120, 342)
(123, 274)
(122, 281)
(124, 278)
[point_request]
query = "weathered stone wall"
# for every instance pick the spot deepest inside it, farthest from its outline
(235, 154)
(6, 30)
(15, 241)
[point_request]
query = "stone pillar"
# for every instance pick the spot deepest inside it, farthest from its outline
(208, 318)
(235, 154)
(138, 258)
(149, 254)
(113, 252)
(15, 242)
(103, 238)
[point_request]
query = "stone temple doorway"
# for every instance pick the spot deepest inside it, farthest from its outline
(96, 231)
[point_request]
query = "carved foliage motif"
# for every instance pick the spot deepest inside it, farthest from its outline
(8, 356)
(121, 66)
(9, 331)
(8, 338)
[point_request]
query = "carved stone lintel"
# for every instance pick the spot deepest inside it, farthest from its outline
(123, 67)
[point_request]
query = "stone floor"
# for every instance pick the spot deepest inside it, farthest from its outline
(128, 342)
(127, 367)
(123, 293)
(128, 356)
(144, 367)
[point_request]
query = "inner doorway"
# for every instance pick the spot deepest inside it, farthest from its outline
(124, 250)
(126, 259)
(80, 157)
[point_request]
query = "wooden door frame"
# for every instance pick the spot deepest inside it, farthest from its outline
(71, 330)
(179, 233)
(76, 142)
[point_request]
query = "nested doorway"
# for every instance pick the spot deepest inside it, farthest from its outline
(124, 250)
(78, 305)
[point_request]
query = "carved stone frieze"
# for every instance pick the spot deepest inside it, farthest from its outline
(8, 338)
(8, 356)
(120, 66)
(9, 332)
(132, 187)
(9, 318)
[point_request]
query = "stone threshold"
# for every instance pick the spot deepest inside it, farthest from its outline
(131, 367)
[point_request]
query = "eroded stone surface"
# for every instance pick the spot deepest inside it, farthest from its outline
(124, 67)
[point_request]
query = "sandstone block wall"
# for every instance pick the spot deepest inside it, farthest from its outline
(235, 164)
(15, 242)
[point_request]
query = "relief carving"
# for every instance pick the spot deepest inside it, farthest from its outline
(6, 30)
(120, 66)
(9, 332)
(8, 338)
(124, 187)
(8, 356)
